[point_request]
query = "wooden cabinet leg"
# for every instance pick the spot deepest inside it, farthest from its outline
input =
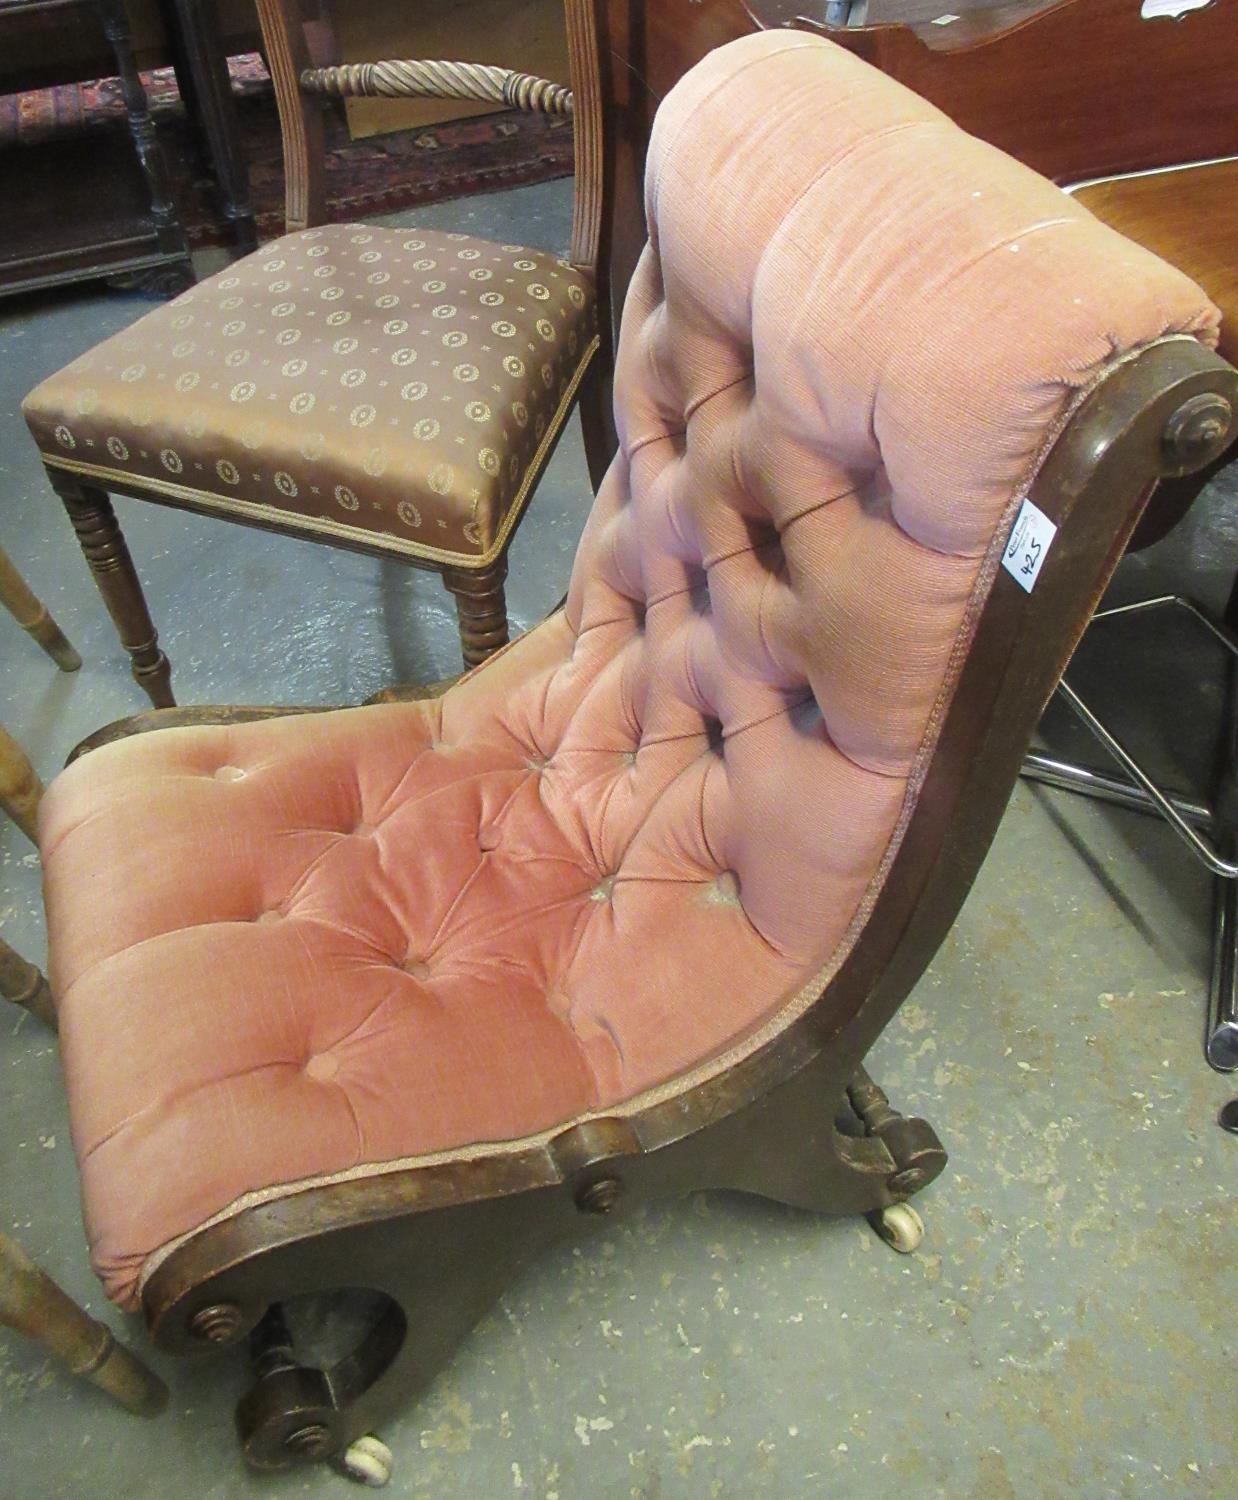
(168, 227)
(25, 985)
(202, 73)
(31, 614)
(20, 787)
(32, 1303)
(94, 521)
(481, 609)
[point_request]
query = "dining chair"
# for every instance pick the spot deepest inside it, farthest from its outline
(397, 392)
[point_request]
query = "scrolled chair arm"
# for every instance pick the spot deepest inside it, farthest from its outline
(417, 78)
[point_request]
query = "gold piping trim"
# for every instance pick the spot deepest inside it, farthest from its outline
(534, 470)
(257, 512)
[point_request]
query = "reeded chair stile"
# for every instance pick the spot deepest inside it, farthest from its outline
(620, 914)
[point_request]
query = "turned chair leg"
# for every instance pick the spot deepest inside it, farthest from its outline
(31, 614)
(94, 521)
(24, 985)
(20, 787)
(481, 609)
(32, 1303)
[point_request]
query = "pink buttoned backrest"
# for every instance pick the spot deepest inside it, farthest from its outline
(847, 345)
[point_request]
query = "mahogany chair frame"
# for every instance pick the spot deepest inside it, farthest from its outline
(794, 1119)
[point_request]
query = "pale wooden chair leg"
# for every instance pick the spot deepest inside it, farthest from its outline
(94, 521)
(31, 614)
(25, 985)
(481, 608)
(20, 787)
(32, 1303)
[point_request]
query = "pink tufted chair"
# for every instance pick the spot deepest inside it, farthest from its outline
(391, 998)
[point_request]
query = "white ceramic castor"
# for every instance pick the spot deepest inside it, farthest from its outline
(900, 1226)
(369, 1461)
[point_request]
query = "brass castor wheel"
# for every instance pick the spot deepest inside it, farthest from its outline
(368, 1461)
(900, 1226)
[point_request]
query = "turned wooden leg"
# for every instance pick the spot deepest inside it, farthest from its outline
(20, 787)
(32, 1303)
(31, 614)
(25, 985)
(94, 520)
(481, 609)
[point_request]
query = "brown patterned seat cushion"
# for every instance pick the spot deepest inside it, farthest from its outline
(391, 387)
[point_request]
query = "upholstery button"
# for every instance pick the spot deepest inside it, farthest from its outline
(488, 839)
(603, 890)
(416, 967)
(230, 773)
(630, 756)
(723, 890)
(322, 1067)
(274, 915)
(362, 830)
(537, 762)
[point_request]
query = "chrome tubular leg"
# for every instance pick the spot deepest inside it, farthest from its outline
(1221, 1036)
(1210, 832)
(1221, 1040)
(1069, 777)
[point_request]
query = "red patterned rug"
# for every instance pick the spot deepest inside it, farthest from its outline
(380, 175)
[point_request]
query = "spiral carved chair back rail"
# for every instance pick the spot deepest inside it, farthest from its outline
(416, 78)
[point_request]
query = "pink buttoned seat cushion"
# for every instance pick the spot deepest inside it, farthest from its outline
(635, 842)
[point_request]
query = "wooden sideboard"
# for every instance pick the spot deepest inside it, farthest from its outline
(91, 205)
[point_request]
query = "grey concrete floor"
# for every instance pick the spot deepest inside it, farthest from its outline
(1067, 1326)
